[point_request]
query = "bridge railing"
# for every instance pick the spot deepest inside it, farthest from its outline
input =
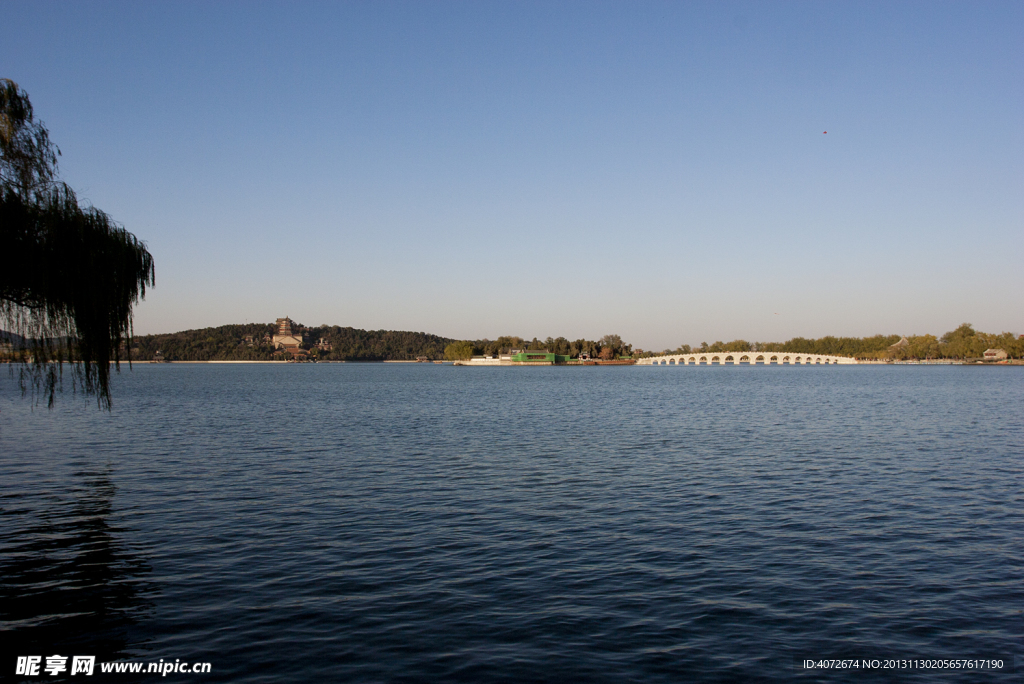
(746, 358)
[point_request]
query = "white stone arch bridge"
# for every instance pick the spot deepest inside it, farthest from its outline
(744, 359)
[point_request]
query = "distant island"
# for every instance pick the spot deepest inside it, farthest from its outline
(288, 340)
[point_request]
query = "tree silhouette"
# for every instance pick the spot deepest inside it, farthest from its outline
(70, 275)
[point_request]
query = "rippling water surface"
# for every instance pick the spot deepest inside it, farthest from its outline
(387, 522)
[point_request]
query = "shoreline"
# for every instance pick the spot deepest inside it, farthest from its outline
(975, 364)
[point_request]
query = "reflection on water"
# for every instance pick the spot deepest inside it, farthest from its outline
(68, 583)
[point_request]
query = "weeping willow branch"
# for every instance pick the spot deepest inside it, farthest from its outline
(70, 274)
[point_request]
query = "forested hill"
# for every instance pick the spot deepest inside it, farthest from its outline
(252, 342)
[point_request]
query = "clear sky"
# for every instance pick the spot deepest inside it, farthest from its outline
(472, 169)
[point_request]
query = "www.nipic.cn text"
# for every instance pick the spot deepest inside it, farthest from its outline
(86, 665)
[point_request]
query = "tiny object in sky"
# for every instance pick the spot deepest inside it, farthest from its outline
(824, 132)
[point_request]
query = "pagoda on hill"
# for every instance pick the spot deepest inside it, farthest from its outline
(285, 338)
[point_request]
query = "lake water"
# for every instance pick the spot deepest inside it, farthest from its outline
(379, 522)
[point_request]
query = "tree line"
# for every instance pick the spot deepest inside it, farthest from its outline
(608, 347)
(253, 342)
(963, 343)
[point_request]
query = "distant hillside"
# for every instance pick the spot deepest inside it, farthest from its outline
(252, 342)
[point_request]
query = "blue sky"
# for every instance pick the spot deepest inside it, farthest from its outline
(656, 170)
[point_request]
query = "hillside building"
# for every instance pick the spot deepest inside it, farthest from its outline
(285, 338)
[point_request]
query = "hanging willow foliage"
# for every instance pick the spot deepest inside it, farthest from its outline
(70, 274)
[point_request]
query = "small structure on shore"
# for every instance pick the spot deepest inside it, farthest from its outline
(518, 357)
(995, 355)
(538, 356)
